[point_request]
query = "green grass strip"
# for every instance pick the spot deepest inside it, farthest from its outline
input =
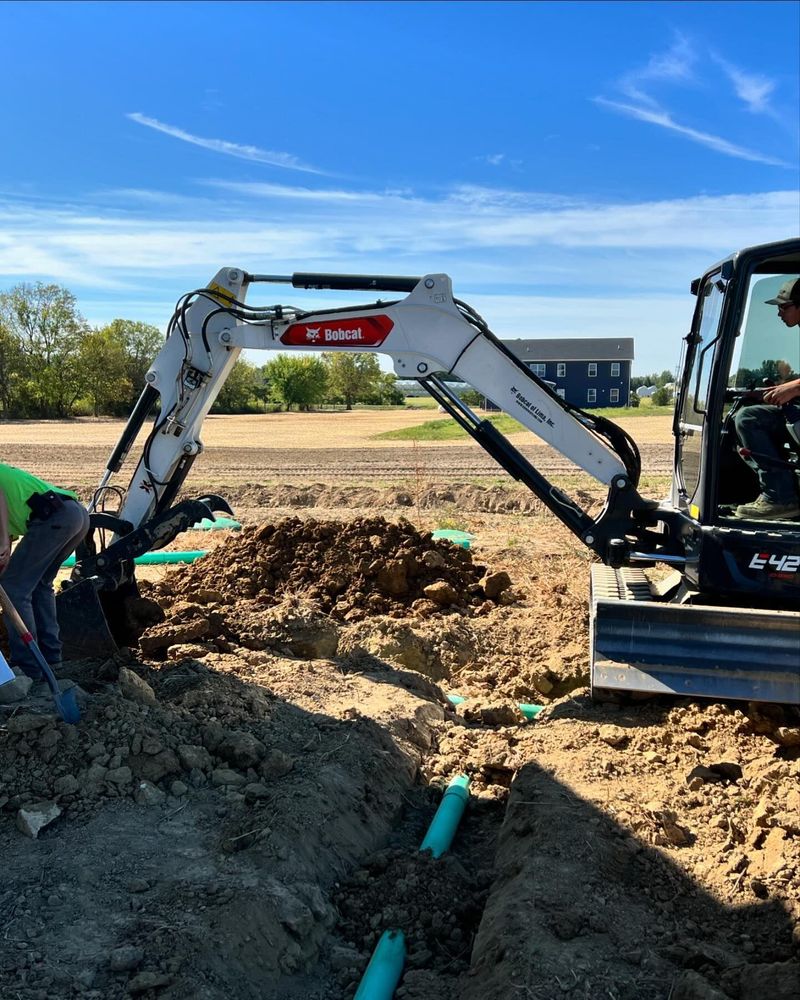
(447, 429)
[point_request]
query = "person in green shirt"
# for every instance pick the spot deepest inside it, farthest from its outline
(50, 523)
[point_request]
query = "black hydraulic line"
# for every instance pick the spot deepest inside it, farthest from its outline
(139, 414)
(355, 282)
(175, 483)
(506, 455)
(503, 452)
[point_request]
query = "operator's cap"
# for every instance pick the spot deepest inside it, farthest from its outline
(788, 292)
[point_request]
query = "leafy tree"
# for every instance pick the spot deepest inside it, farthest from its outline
(104, 365)
(391, 395)
(297, 381)
(384, 392)
(352, 377)
(239, 394)
(12, 372)
(263, 388)
(141, 342)
(45, 320)
(662, 396)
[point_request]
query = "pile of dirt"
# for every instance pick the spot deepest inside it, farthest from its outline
(291, 585)
(369, 565)
(132, 743)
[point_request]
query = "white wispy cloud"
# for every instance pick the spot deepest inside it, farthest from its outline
(753, 89)
(656, 116)
(677, 66)
(255, 189)
(174, 236)
(520, 254)
(276, 159)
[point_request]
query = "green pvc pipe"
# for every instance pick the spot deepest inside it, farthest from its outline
(385, 968)
(529, 711)
(158, 558)
(218, 524)
(444, 824)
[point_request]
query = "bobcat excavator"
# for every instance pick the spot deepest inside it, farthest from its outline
(723, 620)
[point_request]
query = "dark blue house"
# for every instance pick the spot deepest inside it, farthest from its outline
(592, 372)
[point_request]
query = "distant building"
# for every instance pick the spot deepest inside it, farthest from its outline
(591, 372)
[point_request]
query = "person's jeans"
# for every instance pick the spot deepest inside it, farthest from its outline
(28, 581)
(759, 429)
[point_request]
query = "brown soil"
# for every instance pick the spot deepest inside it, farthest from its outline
(242, 803)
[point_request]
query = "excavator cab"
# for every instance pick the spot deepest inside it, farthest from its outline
(737, 347)
(726, 622)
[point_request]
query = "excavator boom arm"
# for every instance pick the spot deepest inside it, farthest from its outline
(426, 334)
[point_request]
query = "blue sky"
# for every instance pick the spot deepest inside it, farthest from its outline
(571, 165)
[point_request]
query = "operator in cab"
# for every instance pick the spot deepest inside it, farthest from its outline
(49, 523)
(762, 427)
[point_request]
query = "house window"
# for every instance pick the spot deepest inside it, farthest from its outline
(592, 369)
(614, 394)
(615, 369)
(591, 395)
(538, 369)
(561, 393)
(561, 369)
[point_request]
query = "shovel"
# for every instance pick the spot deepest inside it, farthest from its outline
(65, 701)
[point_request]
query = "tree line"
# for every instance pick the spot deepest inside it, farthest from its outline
(55, 365)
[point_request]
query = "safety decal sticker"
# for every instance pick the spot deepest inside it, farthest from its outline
(224, 295)
(369, 331)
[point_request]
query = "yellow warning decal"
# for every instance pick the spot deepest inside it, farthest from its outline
(221, 293)
(694, 511)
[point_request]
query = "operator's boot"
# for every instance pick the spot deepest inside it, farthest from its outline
(764, 509)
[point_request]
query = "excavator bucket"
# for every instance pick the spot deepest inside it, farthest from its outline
(101, 608)
(82, 622)
(642, 645)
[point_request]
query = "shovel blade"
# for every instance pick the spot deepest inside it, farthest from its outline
(67, 706)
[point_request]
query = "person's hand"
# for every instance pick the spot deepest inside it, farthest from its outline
(777, 395)
(5, 552)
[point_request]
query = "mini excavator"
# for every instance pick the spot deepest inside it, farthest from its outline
(721, 616)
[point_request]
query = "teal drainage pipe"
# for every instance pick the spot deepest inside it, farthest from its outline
(158, 558)
(386, 965)
(385, 968)
(529, 711)
(444, 824)
(218, 524)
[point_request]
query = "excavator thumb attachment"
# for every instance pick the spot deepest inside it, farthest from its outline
(101, 608)
(640, 644)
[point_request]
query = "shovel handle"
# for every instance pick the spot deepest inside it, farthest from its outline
(16, 619)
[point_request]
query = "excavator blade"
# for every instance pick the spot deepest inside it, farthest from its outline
(642, 645)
